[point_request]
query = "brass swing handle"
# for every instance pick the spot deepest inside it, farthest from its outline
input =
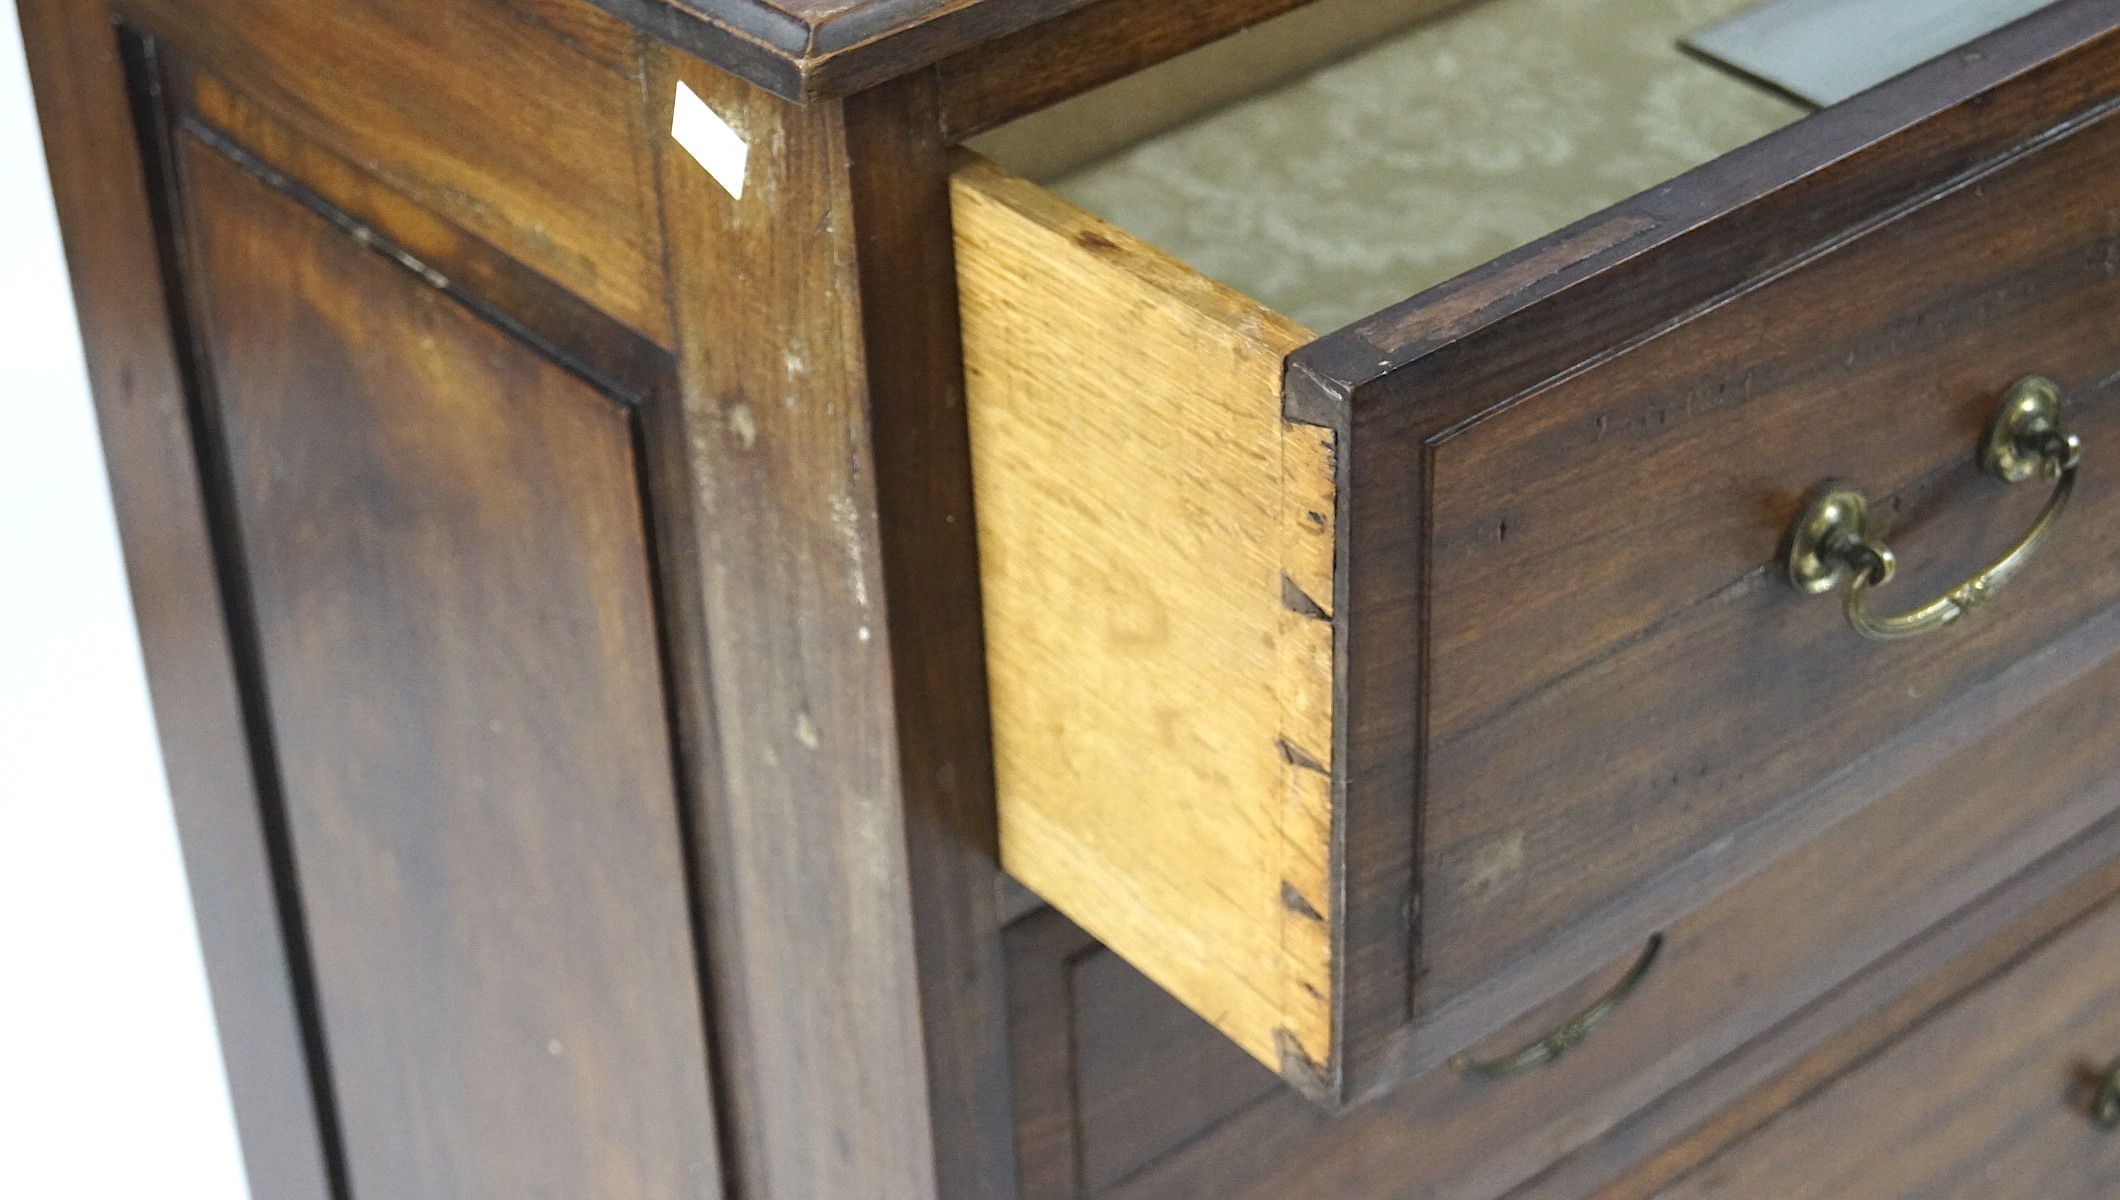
(1567, 1035)
(1830, 538)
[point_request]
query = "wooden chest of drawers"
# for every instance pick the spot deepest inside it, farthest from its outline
(636, 530)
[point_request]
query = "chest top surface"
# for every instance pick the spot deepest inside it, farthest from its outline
(816, 49)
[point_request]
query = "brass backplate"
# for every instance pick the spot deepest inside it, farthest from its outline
(2012, 450)
(1835, 513)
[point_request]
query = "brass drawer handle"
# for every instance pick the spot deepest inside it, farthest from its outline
(2105, 1107)
(1568, 1034)
(1830, 537)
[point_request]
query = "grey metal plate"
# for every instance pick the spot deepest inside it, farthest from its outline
(1825, 51)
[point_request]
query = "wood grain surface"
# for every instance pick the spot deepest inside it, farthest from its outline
(527, 303)
(1156, 552)
(1692, 1122)
(249, 935)
(444, 543)
(1112, 1072)
(1675, 688)
(847, 828)
(1989, 1099)
(984, 87)
(805, 50)
(502, 126)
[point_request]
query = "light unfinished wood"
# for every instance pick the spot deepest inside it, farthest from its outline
(1157, 559)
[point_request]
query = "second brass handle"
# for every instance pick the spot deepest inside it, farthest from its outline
(1567, 1035)
(1830, 538)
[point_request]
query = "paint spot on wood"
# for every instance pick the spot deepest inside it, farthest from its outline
(1497, 865)
(846, 521)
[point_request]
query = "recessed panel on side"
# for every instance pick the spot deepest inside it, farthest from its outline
(441, 536)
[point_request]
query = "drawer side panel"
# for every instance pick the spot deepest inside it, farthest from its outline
(1156, 549)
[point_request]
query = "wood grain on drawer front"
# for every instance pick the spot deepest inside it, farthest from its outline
(1956, 814)
(522, 121)
(1596, 581)
(1986, 1101)
(1157, 561)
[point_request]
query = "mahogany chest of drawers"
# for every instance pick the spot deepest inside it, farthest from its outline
(714, 640)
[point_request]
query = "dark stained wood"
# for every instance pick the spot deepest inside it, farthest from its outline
(1711, 728)
(499, 125)
(1042, 950)
(1151, 1072)
(1959, 818)
(252, 957)
(847, 836)
(1692, 1122)
(806, 50)
(1468, 417)
(898, 171)
(443, 537)
(1044, 64)
(1990, 1098)
(588, 29)
(762, 540)
(1112, 1073)
(527, 304)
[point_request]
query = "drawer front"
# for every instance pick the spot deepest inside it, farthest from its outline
(1618, 677)
(1367, 694)
(1991, 1099)
(523, 122)
(1125, 1094)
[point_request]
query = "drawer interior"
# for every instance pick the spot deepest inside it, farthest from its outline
(1473, 130)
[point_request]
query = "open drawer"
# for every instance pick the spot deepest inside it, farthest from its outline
(1366, 691)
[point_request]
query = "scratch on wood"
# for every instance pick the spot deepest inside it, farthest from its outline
(846, 519)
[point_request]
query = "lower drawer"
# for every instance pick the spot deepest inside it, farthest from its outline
(1123, 1093)
(1997, 1097)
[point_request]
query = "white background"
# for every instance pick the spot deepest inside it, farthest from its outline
(110, 1075)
